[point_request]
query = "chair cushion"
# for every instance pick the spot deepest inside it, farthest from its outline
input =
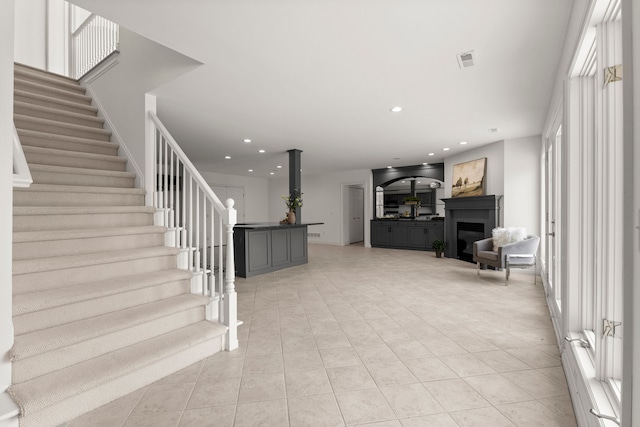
(491, 255)
(504, 236)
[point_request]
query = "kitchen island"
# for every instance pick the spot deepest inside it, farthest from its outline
(266, 247)
(406, 233)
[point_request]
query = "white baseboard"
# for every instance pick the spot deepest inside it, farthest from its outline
(9, 411)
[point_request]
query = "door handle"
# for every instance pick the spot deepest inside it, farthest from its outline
(552, 234)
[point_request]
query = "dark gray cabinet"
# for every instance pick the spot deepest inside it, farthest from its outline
(263, 248)
(406, 234)
(417, 237)
(380, 233)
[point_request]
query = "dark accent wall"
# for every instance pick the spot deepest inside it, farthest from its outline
(386, 176)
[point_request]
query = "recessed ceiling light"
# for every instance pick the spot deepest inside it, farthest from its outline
(494, 130)
(227, 157)
(389, 167)
(463, 143)
(261, 151)
(403, 181)
(425, 164)
(419, 182)
(250, 170)
(445, 149)
(279, 167)
(246, 140)
(432, 154)
(396, 109)
(272, 173)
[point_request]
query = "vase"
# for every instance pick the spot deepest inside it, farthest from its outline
(291, 217)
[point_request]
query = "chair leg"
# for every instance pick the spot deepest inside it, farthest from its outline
(507, 271)
(478, 268)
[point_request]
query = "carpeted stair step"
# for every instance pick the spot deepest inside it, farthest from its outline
(63, 357)
(48, 79)
(37, 218)
(79, 311)
(60, 175)
(63, 142)
(52, 113)
(73, 159)
(52, 126)
(30, 69)
(34, 98)
(50, 243)
(44, 340)
(56, 272)
(76, 195)
(50, 91)
(52, 298)
(62, 395)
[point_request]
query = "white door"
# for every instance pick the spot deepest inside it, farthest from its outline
(356, 214)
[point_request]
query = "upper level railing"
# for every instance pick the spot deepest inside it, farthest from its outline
(94, 39)
(21, 173)
(199, 224)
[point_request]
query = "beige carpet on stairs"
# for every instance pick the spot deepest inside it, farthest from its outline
(99, 307)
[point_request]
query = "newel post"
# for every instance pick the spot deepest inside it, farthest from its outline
(230, 296)
(150, 159)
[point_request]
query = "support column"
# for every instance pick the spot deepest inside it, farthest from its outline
(295, 182)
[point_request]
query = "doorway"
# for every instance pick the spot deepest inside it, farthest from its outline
(353, 200)
(356, 214)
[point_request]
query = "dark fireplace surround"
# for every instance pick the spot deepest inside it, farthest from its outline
(479, 210)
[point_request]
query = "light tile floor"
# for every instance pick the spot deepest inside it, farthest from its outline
(370, 337)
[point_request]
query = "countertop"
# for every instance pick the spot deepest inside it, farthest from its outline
(438, 220)
(261, 225)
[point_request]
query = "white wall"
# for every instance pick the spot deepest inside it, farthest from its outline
(256, 193)
(30, 32)
(513, 173)
(142, 66)
(6, 189)
(322, 196)
(494, 178)
(521, 202)
(57, 38)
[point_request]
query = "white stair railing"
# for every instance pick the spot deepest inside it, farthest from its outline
(95, 39)
(21, 173)
(198, 223)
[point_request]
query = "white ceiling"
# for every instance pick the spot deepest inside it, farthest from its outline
(321, 76)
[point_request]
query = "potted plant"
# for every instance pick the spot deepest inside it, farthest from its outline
(293, 201)
(438, 246)
(411, 200)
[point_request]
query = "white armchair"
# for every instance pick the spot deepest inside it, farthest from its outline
(521, 254)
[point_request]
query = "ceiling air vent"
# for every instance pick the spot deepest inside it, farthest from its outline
(466, 59)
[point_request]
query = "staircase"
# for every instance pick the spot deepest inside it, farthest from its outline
(99, 307)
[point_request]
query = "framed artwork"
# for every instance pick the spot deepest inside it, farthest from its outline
(468, 178)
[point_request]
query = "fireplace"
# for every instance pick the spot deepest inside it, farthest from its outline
(467, 233)
(475, 217)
